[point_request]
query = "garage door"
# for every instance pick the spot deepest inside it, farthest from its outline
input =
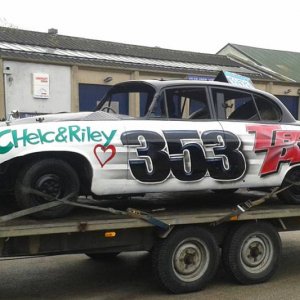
(291, 102)
(90, 95)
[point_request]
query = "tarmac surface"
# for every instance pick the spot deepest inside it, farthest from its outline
(129, 277)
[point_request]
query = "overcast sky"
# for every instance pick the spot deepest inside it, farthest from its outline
(192, 25)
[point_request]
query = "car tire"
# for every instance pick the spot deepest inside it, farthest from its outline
(292, 194)
(186, 260)
(51, 176)
(251, 252)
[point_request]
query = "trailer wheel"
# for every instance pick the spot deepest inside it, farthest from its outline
(51, 176)
(251, 252)
(186, 260)
(292, 194)
(102, 256)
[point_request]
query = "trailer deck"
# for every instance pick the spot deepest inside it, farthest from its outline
(187, 246)
(181, 210)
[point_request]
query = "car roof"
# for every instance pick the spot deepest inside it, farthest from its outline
(159, 84)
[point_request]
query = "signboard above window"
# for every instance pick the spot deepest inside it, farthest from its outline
(40, 85)
(202, 78)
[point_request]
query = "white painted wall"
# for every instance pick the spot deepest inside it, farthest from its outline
(19, 88)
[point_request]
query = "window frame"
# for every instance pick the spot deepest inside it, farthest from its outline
(163, 92)
(252, 95)
(278, 108)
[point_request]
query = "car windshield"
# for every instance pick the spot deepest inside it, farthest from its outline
(131, 98)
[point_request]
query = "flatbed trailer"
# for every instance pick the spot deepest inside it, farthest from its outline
(185, 253)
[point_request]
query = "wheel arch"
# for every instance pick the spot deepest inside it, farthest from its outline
(290, 193)
(292, 168)
(78, 162)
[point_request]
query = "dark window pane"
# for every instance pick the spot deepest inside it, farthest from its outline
(187, 103)
(234, 105)
(132, 99)
(268, 110)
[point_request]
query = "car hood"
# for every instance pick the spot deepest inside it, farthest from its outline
(61, 117)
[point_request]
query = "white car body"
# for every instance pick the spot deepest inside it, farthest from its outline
(128, 155)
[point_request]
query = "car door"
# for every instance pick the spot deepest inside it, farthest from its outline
(249, 121)
(173, 149)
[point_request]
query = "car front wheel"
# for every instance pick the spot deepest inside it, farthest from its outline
(53, 177)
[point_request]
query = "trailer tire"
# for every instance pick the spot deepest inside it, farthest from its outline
(186, 260)
(251, 252)
(51, 176)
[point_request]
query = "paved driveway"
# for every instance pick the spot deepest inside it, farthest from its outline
(129, 277)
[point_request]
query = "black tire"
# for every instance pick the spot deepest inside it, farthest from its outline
(186, 260)
(251, 252)
(102, 256)
(51, 176)
(292, 194)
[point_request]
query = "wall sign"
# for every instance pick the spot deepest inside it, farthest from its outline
(40, 85)
(202, 78)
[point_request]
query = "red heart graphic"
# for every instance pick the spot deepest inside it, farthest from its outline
(112, 148)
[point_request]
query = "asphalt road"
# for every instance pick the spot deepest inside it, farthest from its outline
(129, 277)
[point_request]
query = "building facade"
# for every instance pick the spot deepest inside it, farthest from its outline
(50, 73)
(282, 65)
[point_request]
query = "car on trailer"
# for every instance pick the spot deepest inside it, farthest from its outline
(153, 136)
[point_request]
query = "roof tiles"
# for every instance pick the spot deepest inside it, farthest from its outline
(47, 47)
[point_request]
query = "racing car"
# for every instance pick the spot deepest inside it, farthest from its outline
(153, 136)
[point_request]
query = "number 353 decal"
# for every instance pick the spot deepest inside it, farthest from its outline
(186, 156)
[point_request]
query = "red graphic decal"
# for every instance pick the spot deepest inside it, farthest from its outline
(100, 152)
(282, 146)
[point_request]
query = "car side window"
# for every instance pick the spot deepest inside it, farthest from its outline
(234, 105)
(183, 103)
(268, 110)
